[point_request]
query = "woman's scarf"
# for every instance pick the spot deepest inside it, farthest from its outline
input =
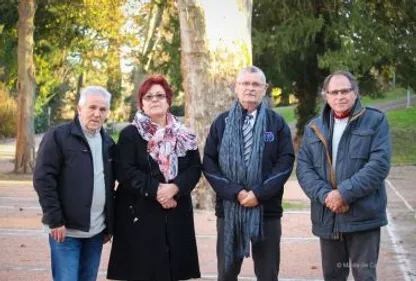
(241, 224)
(165, 145)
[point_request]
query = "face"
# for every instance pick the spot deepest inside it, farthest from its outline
(339, 95)
(250, 89)
(93, 113)
(155, 103)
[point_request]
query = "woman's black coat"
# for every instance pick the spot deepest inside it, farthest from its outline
(152, 243)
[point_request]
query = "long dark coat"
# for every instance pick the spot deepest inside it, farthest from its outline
(151, 243)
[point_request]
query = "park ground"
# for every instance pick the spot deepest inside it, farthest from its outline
(24, 250)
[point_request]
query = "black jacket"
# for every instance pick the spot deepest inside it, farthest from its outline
(278, 158)
(150, 242)
(64, 177)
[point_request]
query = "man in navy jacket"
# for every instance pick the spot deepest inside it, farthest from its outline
(248, 157)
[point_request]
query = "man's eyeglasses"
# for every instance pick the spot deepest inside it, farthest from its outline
(247, 84)
(157, 96)
(343, 92)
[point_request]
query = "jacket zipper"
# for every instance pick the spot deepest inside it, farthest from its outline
(332, 177)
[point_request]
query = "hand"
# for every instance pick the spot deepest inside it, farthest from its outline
(58, 234)
(334, 201)
(166, 191)
(250, 200)
(343, 209)
(107, 238)
(241, 195)
(170, 204)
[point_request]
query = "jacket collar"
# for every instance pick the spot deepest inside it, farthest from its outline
(76, 130)
(327, 114)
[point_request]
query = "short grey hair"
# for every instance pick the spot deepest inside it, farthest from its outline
(346, 74)
(94, 91)
(251, 69)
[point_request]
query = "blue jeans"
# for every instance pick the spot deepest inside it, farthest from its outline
(76, 259)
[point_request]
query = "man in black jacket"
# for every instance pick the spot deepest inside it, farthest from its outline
(248, 157)
(74, 182)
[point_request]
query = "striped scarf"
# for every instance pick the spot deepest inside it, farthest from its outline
(241, 224)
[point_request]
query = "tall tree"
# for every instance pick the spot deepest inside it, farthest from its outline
(215, 45)
(25, 149)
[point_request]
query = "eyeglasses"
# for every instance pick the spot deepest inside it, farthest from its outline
(157, 96)
(343, 92)
(247, 84)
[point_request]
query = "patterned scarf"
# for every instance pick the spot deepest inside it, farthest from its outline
(165, 145)
(241, 224)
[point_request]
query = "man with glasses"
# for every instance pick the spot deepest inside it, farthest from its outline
(248, 157)
(342, 164)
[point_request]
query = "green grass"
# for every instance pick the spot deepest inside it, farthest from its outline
(115, 136)
(403, 133)
(385, 97)
(294, 206)
(287, 112)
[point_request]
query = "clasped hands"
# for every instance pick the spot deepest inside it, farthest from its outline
(165, 194)
(335, 203)
(247, 198)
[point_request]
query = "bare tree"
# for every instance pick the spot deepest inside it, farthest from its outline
(25, 148)
(215, 45)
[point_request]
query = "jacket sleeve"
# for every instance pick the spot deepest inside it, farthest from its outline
(188, 178)
(223, 186)
(127, 168)
(45, 179)
(314, 187)
(370, 177)
(274, 183)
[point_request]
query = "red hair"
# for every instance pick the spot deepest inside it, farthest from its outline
(148, 83)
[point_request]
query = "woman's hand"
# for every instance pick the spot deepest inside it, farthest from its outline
(170, 204)
(166, 192)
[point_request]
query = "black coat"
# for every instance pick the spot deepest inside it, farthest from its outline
(278, 158)
(151, 243)
(64, 177)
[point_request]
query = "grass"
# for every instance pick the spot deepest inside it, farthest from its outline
(403, 134)
(288, 112)
(294, 206)
(115, 136)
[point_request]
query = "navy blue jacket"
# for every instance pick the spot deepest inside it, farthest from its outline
(362, 164)
(278, 158)
(64, 177)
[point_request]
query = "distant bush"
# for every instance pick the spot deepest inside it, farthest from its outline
(178, 110)
(8, 114)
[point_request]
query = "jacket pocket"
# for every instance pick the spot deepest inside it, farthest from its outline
(317, 150)
(370, 207)
(360, 143)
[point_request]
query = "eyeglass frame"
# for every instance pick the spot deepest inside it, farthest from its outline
(255, 85)
(342, 92)
(158, 97)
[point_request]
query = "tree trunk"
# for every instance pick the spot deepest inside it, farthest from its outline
(25, 148)
(215, 45)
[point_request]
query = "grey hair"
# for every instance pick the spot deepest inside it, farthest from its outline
(346, 74)
(94, 91)
(251, 69)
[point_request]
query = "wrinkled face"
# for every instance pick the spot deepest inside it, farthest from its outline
(339, 95)
(250, 89)
(155, 103)
(93, 113)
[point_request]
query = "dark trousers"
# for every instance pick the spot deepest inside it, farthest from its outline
(266, 254)
(356, 250)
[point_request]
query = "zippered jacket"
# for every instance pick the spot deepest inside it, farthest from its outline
(64, 177)
(362, 164)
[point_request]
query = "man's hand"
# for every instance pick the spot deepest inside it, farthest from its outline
(170, 204)
(58, 234)
(165, 192)
(107, 238)
(335, 203)
(241, 195)
(250, 200)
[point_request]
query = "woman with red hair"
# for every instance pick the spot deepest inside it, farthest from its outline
(157, 165)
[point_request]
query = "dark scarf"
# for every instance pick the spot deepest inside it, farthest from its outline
(241, 224)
